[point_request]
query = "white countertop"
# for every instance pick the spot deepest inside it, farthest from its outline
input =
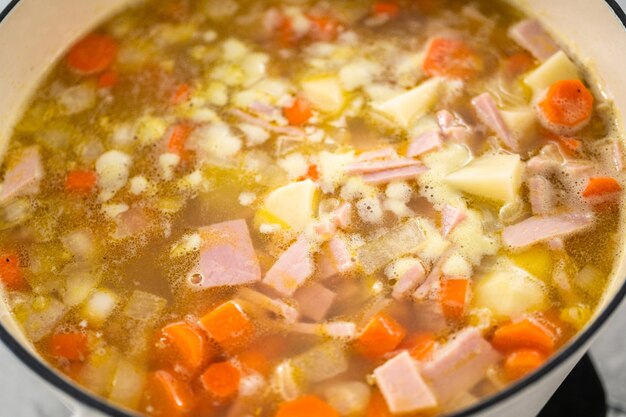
(23, 395)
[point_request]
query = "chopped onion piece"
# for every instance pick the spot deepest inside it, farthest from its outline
(144, 306)
(349, 398)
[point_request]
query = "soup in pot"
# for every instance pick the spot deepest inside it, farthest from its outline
(309, 208)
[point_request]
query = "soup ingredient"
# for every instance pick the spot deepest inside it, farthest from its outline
(228, 325)
(526, 333)
(92, 54)
(557, 68)
(540, 228)
(494, 177)
(411, 104)
(601, 186)
(533, 37)
(402, 386)
(80, 181)
(70, 346)
(454, 58)
(567, 106)
(170, 396)
(381, 335)
(10, 272)
(307, 406)
(522, 362)
(221, 379)
(186, 346)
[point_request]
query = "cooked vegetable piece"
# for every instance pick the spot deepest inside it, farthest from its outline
(455, 293)
(11, 273)
(406, 107)
(307, 406)
(421, 345)
(567, 106)
(70, 346)
(80, 181)
(454, 58)
(221, 379)
(92, 54)
(557, 68)
(601, 186)
(178, 139)
(522, 334)
(299, 112)
(187, 346)
(377, 406)
(169, 396)
(293, 204)
(228, 325)
(381, 335)
(388, 9)
(324, 93)
(128, 384)
(522, 362)
(494, 177)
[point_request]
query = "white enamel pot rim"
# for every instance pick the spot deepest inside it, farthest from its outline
(559, 364)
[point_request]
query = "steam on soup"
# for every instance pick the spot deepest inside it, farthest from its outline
(309, 208)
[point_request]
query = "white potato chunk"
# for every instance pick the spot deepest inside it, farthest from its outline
(326, 93)
(558, 67)
(522, 123)
(495, 177)
(509, 292)
(413, 103)
(99, 307)
(112, 168)
(294, 204)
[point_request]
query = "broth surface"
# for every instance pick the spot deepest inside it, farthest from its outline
(290, 208)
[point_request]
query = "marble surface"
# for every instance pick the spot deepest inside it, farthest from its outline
(23, 395)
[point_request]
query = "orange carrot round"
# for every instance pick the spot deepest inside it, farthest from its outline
(187, 346)
(601, 186)
(566, 107)
(452, 58)
(221, 380)
(92, 54)
(299, 112)
(420, 345)
(169, 396)
(385, 8)
(517, 64)
(228, 325)
(108, 79)
(307, 406)
(522, 362)
(381, 335)
(178, 138)
(81, 182)
(11, 272)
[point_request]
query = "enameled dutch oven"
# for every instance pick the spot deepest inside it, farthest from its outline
(34, 33)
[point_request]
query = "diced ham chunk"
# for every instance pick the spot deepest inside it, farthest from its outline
(399, 174)
(541, 228)
(325, 228)
(335, 259)
(451, 217)
(24, 177)
(227, 256)
(402, 386)
(132, 222)
(342, 215)
(315, 301)
(291, 269)
(540, 165)
(408, 281)
(424, 143)
(429, 317)
(453, 128)
(542, 195)
(530, 35)
(382, 153)
(459, 365)
(490, 115)
(369, 167)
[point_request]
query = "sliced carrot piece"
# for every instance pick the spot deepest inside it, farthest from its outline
(221, 380)
(454, 295)
(312, 173)
(178, 138)
(452, 58)
(307, 406)
(522, 362)
(524, 334)
(70, 346)
(568, 145)
(299, 112)
(377, 407)
(381, 335)
(567, 103)
(187, 346)
(253, 360)
(81, 182)
(601, 186)
(11, 272)
(517, 64)
(181, 94)
(420, 345)
(229, 326)
(108, 79)
(92, 54)
(169, 396)
(386, 8)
